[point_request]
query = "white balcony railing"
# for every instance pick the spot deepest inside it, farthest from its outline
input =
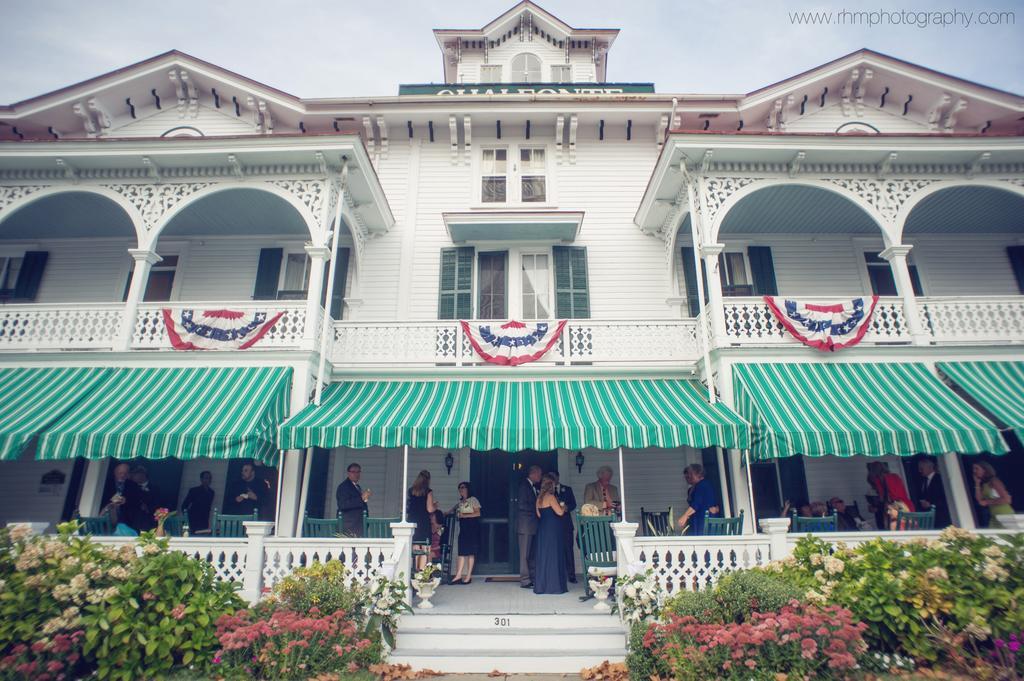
(69, 326)
(973, 319)
(750, 321)
(151, 332)
(584, 341)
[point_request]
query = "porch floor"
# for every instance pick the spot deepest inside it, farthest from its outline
(504, 598)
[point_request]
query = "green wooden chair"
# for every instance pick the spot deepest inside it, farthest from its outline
(597, 546)
(656, 523)
(718, 527)
(98, 525)
(321, 528)
(175, 525)
(230, 525)
(377, 528)
(802, 524)
(921, 520)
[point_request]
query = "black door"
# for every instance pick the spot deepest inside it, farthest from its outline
(495, 476)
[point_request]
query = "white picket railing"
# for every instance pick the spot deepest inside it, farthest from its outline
(584, 341)
(151, 331)
(694, 563)
(973, 319)
(750, 321)
(364, 558)
(80, 326)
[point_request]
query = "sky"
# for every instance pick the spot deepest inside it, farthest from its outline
(345, 48)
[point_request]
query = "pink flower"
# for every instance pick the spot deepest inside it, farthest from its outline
(178, 612)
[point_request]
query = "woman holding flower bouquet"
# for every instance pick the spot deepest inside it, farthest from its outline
(468, 509)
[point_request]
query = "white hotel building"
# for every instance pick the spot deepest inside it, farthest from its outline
(525, 186)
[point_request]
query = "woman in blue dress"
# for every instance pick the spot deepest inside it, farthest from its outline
(550, 542)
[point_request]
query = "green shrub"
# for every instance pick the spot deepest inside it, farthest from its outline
(640, 658)
(161, 617)
(324, 586)
(735, 597)
(905, 592)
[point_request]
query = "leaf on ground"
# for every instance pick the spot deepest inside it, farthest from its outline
(401, 672)
(606, 671)
(495, 673)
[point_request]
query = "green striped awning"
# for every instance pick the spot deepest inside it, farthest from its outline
(219, 413)
(515, 415)
(848, 409)
(31, 399)
(997, 386)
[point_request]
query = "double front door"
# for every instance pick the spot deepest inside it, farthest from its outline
(495, 476)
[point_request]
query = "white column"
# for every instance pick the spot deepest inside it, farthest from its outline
(89, 502)
(252, 579)
(956, 491)
(289, 492)
(897, 257)
(716, 303)
(625, 556)
(318, 257)
(776, 529)
(742, 494)
(144, 261)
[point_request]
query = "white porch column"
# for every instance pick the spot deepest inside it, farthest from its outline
(956, 491)
(741, 491)
(318, 257)
(897, 257)
(776, 529)
(290, 490)
(144, 261)
(252, 579)
(716, 305)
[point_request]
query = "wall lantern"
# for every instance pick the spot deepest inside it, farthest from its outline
(449, 461)
(580, 459)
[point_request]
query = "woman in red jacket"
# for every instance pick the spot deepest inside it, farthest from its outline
(889, 488)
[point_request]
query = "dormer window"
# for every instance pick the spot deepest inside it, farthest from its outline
(526, 68)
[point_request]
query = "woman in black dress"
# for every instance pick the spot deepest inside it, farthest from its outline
(419, 508)
(468, 509)
(550, 541)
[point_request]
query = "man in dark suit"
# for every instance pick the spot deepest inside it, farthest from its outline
(526, 526)
(244, 495)
(932, 491)
(352, 501)
(125, 506)
(198, 503)
(568, 501)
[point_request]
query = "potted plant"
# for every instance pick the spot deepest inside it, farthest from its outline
(425, 582)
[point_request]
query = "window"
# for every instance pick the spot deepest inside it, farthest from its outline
(536, 286)
(492, 285)
(882, 281)
(9, 268)
(532, 169)
(490, 73)
(161, 280)
(294, 277)
(561, 73)
(733, 270)
(494, 172)
(526, 68)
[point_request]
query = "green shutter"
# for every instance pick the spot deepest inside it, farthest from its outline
(762, 271)
(268, 273)
(572, 289)
(690, 281)
(1016, 254)
(338, 294)
(30, 275)
(455, 292)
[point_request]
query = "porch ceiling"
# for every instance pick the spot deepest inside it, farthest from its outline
(68, 215)
(968, 209)
(238, 212)
(796, 209)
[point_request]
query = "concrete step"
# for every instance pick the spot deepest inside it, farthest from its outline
(506, 622)
(525, 662)
(513, 641)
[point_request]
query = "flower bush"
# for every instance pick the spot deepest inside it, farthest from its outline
(70, 607)
(427, 574)
(291, 645)
(960, 582)
(735, 597)
(800, 641)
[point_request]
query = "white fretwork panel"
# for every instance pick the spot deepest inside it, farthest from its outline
(9, 195)
(691, 565)
(362, 558)
(78, 327)
(885, 196)
(969, 320)
(717, 191)
(154, 200)
(309, 192)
